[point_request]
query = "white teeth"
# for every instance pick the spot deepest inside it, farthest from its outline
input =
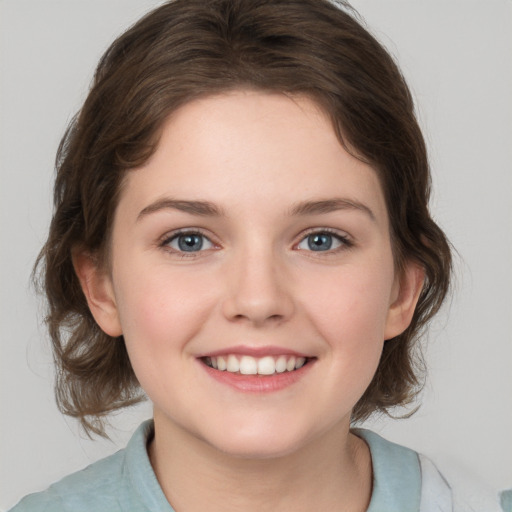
(290, 365)
(233, 364)
(300, 362)
(221, 363)
(281, 364)
(248, 365)
(266, 365)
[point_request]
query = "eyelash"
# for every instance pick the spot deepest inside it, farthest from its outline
(169, 238)
(345, 242)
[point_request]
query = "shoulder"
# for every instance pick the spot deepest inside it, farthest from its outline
(445, 482)
(407, 480)
(506, 500)
(89, 489)
(396, 474)
(108, 485)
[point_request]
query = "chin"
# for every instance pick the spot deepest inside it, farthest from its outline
(258, 449)
(260, 442)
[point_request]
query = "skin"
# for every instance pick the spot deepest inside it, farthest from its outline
(256, 283)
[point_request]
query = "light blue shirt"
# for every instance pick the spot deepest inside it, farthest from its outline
(126, 481)
(396, 475)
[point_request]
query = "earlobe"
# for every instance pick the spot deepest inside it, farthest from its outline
(98, 290)
(405, 299)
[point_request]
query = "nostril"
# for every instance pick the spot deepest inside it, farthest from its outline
(258, 319)
(256, 299)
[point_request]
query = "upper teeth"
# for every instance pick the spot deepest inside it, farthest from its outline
(248, 365)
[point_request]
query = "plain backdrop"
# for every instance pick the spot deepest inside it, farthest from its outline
(457, 57)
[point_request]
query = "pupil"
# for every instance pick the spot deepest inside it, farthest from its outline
(320, 242)
(190, 243)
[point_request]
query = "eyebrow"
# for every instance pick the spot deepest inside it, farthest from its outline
(208, 209)
(331, 205)
(203, 208)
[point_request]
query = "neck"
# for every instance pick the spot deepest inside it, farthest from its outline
(331, 473)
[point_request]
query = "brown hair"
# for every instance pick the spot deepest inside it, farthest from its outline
(190, 48)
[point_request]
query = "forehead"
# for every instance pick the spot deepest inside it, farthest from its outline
(248, 149)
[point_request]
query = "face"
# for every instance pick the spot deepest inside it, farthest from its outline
(252, 275)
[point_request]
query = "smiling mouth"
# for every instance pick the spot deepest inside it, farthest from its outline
(248, 365)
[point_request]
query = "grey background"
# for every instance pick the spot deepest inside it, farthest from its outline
(457, 58)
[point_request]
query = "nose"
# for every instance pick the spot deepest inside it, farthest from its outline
(259, 289)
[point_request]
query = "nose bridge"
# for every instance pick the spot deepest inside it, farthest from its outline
(258, 289)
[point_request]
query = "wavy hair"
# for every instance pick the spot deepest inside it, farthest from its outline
(186, 49)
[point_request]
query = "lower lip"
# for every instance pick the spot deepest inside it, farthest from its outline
(258, 383)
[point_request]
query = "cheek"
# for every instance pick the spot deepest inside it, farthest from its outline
(161, 310)
(350, 313)
(351, 319)
(356, 300)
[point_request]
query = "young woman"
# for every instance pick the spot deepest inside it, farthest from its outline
(241, 230)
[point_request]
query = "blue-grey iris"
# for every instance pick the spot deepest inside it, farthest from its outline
(190, 243)
(320, 242)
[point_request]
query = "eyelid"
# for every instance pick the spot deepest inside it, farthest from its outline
(344, 238)
(166, 239)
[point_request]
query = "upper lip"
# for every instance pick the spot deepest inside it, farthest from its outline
(260, 351)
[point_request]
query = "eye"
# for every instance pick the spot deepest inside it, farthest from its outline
(322, 241)
(188, 242)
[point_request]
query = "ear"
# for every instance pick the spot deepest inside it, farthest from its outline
(405, 297)
(98, 290)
